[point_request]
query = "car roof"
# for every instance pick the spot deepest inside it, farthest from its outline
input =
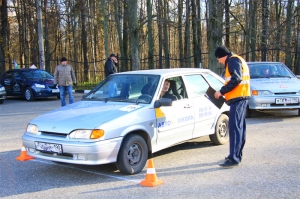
(164, 72)
(264, 62)
(23, 69)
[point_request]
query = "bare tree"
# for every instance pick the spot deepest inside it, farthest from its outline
(288, 33)
(134, 35)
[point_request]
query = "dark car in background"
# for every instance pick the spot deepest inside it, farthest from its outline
(29, 83)
(2, 94)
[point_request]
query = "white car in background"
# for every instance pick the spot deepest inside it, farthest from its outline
(123, 120)
(273, 86)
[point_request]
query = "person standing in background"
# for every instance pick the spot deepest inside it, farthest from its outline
(64, 77)
(110, 66)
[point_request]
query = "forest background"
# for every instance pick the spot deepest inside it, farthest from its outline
(147, 34)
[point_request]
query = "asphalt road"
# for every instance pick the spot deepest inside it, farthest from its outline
(270, 167)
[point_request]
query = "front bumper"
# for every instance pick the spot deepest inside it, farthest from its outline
(269, 103)
(45, 92)
(74, 152)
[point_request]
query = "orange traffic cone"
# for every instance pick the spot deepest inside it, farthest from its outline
(23, 155)
(151, 178)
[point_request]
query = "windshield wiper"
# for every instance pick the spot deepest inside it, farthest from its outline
(281, 76)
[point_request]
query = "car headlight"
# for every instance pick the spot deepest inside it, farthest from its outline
(32, 128)
(258, 92)
(87, 134)
(39, 85)
(2, 88)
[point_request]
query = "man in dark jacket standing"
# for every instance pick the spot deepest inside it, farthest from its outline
(110, 65)
(64, 77)
(236, 91)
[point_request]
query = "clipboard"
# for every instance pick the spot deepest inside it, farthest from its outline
(210, 95)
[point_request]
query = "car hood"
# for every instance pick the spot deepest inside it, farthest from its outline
(41, 80)
(82, 115)
(276, 84)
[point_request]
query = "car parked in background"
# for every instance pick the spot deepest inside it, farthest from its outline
(124, 119)
(273, 86)
(29, 83)
(2, 94)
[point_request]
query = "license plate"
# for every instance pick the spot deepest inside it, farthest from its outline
(55, 90)
(48, 147)
(289, 100)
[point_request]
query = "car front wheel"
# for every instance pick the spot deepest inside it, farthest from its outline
(28, 94)
(133, 155)
(221, 135)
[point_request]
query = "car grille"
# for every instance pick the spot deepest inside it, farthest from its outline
(287, 93)
(282, 105)
(52, 87)
(54, 134)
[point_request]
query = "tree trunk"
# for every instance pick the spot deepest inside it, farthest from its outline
(265, 29)
(125, 35)
(166, 37)
(288, 38)
(227, 24)
(134, 35)
(252, 9)
(214, 35)
(150, 35)
(187, 38)
(118, 23)
(3, 34)
(180, 4)
(84, 41)
(105, 28)
(160, 38)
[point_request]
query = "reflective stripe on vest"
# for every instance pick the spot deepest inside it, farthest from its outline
(243, 88)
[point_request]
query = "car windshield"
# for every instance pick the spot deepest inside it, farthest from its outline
(37, 74)
(125, 88)
(269, 70)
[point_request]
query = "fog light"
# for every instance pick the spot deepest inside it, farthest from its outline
(31, 150)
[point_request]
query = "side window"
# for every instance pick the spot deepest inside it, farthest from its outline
(177, 88)
(214, 82)
(196, 85)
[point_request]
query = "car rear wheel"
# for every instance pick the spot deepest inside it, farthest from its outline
(1, 101)
(133, 155)
(28, 94)
(221, 135)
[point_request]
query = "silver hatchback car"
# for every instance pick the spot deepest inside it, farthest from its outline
(273, 86)
(124, 119)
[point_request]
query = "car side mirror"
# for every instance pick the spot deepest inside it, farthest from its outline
(162, 102)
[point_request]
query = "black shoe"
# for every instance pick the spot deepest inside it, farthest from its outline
(229, 163)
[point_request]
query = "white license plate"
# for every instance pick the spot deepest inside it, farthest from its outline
(48, 147)
(55, 90)
(289, 100)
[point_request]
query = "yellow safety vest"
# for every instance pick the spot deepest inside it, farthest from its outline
(243, 88)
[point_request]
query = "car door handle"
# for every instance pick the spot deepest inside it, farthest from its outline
(187, 106)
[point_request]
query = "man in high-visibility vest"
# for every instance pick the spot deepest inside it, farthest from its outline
(236, 91)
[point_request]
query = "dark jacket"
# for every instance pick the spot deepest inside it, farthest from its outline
(110, 67)
(235, 70)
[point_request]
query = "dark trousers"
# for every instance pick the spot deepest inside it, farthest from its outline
(237, 129)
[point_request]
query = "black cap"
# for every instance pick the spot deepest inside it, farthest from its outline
(63, 59)
(112, 55)
(221, 51)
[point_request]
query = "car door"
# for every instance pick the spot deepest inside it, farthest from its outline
(204, 110)
(175, 123)
(16, 83)
(7, 81)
